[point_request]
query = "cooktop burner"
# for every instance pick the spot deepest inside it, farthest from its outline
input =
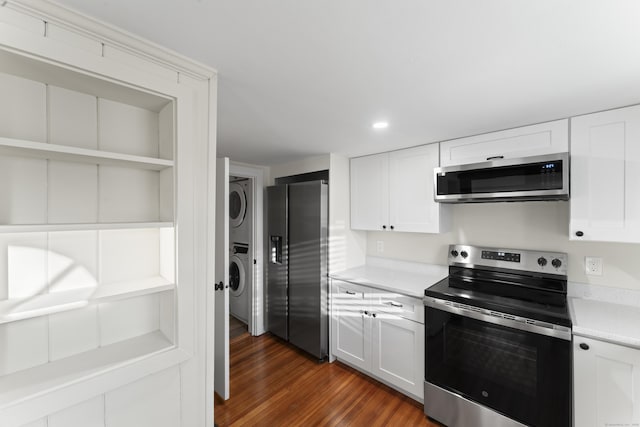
(530, 284)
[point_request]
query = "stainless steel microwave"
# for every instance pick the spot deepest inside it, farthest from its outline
(529, 178)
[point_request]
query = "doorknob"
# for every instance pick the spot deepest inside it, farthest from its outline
(218, 286)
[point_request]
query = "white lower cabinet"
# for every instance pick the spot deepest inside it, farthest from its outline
(381, 334)
(606, 384)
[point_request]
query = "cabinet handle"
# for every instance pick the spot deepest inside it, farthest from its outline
(579, 233)
(384, 227)
(366, 312)
(394, 304)
(584, 346)
(495, 157)
(350, 292)
(391, 227)
(373, 314)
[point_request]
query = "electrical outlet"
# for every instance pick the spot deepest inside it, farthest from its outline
(593, 266)
(380, 246)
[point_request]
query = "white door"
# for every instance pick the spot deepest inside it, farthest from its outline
(221, 322)
(370, 192)
(606, 384)
(605, 172)
(398, 352)
(411, 204)
(350, 324)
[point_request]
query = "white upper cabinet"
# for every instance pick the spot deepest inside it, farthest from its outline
(370, 192)
(534, 140)
(394, 191)
(605, 176)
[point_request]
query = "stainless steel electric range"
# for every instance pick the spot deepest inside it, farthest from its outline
(498, 340)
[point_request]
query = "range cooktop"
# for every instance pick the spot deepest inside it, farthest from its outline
(526, 284)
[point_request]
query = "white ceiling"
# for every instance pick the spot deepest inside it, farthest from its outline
(304, 77)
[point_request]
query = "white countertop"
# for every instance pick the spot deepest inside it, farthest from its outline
(407, 278)
(606, 319)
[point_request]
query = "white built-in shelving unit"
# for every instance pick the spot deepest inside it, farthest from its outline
(87, 230)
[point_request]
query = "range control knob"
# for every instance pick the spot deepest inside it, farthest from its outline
(542, 261)
(556, 263)
(454, 253)
(464, 254)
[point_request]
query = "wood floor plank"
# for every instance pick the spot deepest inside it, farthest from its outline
(274, 384)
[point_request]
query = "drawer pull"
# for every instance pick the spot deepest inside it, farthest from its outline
(394, 304)
(350, 292)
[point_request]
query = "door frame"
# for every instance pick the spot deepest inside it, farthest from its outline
(256, 324)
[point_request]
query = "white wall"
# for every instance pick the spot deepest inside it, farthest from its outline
(346, 247)
(308, 164)
(529, 225)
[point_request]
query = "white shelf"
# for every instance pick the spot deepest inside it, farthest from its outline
(28, 228)
(64, 372)
(25, 148)
(12, 310)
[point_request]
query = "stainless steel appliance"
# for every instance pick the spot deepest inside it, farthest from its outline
(498, 340)
(529, 178)
(297, 282)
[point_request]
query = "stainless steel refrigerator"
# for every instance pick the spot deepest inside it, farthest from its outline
(297, 282)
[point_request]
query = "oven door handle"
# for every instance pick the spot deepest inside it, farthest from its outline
(498, 318)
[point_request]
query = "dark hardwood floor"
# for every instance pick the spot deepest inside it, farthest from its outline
(273, 384)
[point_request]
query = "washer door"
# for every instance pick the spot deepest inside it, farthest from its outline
(236, 276)
(237, 204)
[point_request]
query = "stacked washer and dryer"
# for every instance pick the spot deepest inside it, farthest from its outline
(241, 246)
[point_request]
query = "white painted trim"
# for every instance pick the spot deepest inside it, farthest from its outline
(39, 406)
(109, 34)
(211, 256)
(257, 318)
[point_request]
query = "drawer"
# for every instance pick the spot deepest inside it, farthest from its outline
(348, 296)
(400, 305)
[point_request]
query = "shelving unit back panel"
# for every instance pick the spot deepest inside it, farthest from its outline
(72, 260)
(73, 332)
(37, 263)
(128, 318)
(129, 254)
(73, 118)
(24, 345)
(128, 195)
(72, 193)
(128, 129)
(42, 72)
(23, 190)
(23, 111)
(23, 265)
(41, 340)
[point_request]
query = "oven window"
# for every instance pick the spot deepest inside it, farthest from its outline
(501, 358)
(523, 375)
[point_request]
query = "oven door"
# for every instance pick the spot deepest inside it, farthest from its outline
(523, 375)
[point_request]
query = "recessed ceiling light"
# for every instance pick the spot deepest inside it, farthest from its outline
(380, 125)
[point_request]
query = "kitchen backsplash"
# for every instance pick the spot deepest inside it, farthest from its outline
(528, 225)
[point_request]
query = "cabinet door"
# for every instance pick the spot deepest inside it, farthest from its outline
(411, 204)
(350, 326)
(370, 192)
(543, 138)
(605, 176)
(398, 352)
(606, 384)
